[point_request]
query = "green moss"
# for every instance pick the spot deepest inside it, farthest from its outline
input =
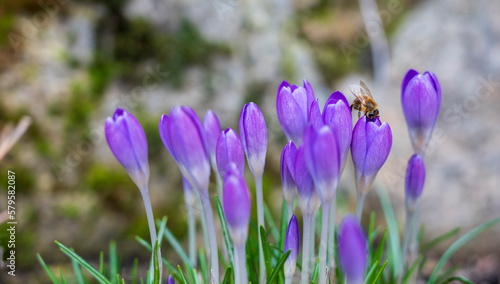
(79, 108)
(6, 26)
(255, 92)
(334, 63)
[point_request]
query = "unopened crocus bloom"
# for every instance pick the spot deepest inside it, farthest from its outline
(415, 178)
(184, 136)
(370, 147)
(253, 134)
(337, 115)
(237, 211)
(229, 150)
(287, 172)
(212, 131)
(170, 280)
(352, 250)
(127, 141)
(292, 105)
(292, 242)
(421, 99)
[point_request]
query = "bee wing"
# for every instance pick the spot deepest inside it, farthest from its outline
(365, 87)
(358, 92)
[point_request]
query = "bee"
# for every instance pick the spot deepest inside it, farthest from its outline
(364, 101)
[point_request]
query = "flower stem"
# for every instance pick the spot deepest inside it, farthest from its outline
(289, 209)
(152, 230)
(331, 235)
(203, 220)
(219, 182)
(313, 239)
(306, 245)
(359, 204)
(214, 255)
(240, 268)
(414, 240)
(260, 220)
(191, 229)
(408, 228)
(325, 210)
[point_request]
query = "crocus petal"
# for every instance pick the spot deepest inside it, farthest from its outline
(253, 134)
(359, 146)
(292, 241)
(303, 180)
(415, 178)
(409, 75)
(287, 108)
(310, 92)
(236, 201)
(315, 118)
(352, 249)
(127, 141)
(165, 135)
(378, 151)
(229, 150)
(212, 131)
(287, 171)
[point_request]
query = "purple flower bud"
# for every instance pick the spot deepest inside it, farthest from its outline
(315, 118)
(292, 241)
(127, 141)
(415, 178)
(352, 249)
(421, 99)
(287, 171)
(170, 280)
(323, 160)
(308, 198)
(370, 147)
(212, 131)
(337, 115)
(184, 136)
(236, 201)
(253, 134)
(229, 150)
(292, 105)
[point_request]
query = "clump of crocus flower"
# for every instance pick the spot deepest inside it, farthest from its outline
(352, 250)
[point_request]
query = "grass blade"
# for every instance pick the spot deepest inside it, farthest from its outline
(47, 269)
(457, 278)
(458, 244)
(283, 224)
(412, 268)
(225, 231)
(156, 264)
(379, 272)
(271, 225)
(228, 277)
(113, 262)
(63, 280)
(203, 266)
(183, 278)
(438, 240)
(371, 272)
(265, 248)
(133, 273)
(94, 272)
(278, 267)
(78, 272)
(177, 246)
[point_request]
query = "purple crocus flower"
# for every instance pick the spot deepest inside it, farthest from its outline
(229, 150)
(352, 250)
(236, 203)
(292, 105)
(292, 241)
(322, 157)
(370, 147)
(212, 131)
(315, 117)
(184, 136)
(421, 99)
(287, 172)
(337, 115)
(170, 280)
(253, 134)
(308, 199)
(415, 178)
(127, 141)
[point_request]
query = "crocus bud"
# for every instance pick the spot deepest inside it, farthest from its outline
(337, 115)
(308, 198)
(415, 178)
(292, 105)
(370, 147)
(421, 99)
(184, 136)
(127, 141)
(212, 131)
(229, 150)
(236, 201)
(170, 280)
(287, 171)
(322, 157)
(352, 250)
(292, 241)
(253, 134)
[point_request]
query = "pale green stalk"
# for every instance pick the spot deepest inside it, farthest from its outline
(414, 240)
(360, 203)
(331, 235)
(306, 245)
(289, 209)
(152, 229)
(313, 238)
(203, 220)
(214, 255)
(240, 268)
(191, 230)
(325, 210)
(260, 220)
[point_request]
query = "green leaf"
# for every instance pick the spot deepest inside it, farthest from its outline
(228, 277)
(225, 232)
(284, 224)
(379, 272)
(101, 263)
(203, 266)
(278, 267)
(162, 225)
(458, 244)
(380, 248)
(265, 248)
(438, 240)
(113, 262)
(133, 273)
(170, 267)
(183, 278)
(371, 272)
(412, 268)
(392, 224)
(47, 269)
(78, 272)
(94, 272)
(457, 278)
(315, 274)
(63, 280)
(156, 264)
(271, 224)
(177, 246)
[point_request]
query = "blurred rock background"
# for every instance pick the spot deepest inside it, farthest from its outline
(69, 64)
